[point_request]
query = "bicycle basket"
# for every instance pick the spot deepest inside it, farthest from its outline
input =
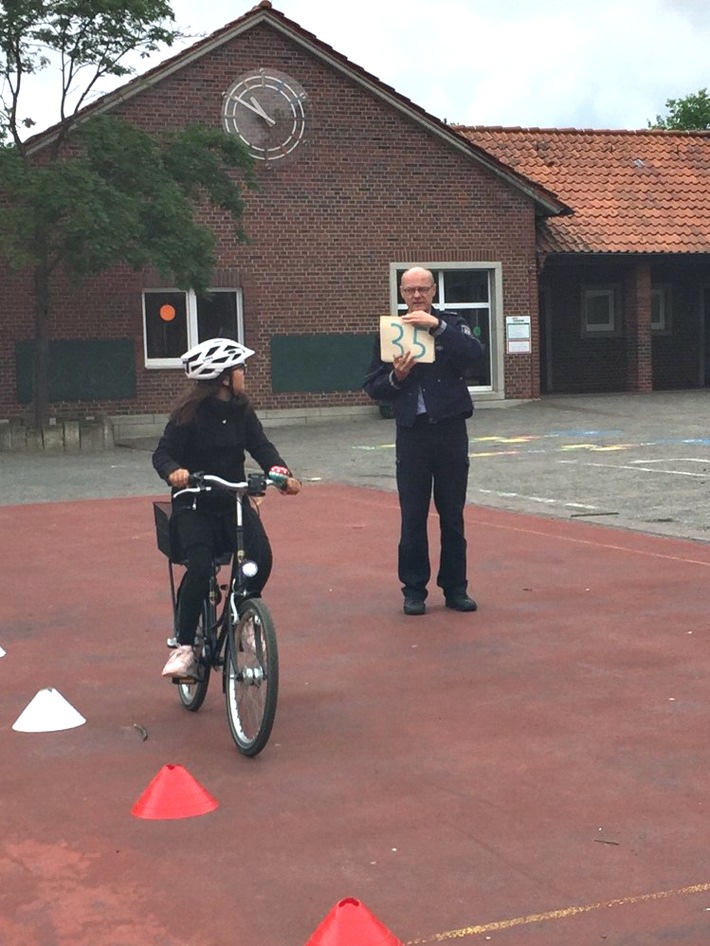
(163, 533)
(168, 542)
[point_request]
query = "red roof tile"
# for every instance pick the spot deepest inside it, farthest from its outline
(545, 201)
(630, 191)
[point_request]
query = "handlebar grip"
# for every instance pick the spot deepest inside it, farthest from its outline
(195, 479)
(279, 479)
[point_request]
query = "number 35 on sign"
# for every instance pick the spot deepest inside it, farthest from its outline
(397, 337)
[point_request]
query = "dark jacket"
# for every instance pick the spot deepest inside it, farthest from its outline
(441, 383)
(215, 441)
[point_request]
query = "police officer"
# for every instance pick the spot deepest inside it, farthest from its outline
(430, 403)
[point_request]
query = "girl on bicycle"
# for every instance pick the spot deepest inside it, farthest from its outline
(209, 430)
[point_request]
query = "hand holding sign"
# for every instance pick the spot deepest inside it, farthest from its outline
(397, 338)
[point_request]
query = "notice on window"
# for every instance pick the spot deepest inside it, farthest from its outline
(396, 338)
(518, 335)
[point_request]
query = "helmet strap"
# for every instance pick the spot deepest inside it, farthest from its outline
(226, 382)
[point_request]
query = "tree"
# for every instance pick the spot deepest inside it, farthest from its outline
(691, 113)
(94, 192)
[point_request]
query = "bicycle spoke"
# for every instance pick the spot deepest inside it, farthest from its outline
(251, 678)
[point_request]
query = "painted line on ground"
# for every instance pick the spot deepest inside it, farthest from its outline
(673, 460)
(379, 446)
(601, 545)
(535, 499)
(563, 448)
(645, 469)
(562, 914)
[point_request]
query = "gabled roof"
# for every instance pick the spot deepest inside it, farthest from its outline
(630, 191)
(545, 201)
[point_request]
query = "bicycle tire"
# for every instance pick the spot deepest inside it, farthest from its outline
(251, 677)
(192, 693)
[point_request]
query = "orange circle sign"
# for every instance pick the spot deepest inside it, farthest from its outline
(167, 313)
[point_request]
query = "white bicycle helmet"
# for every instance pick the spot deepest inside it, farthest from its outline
(209, 359)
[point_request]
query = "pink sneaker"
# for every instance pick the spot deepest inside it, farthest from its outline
(181, 662)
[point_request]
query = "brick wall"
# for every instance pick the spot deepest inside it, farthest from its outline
(580, 364)
(635, 358)
(677, 353)
(366, 188)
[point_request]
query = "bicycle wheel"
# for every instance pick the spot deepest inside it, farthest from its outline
(192, 693)
(251, 677)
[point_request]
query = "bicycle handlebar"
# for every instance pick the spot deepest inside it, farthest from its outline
(255, 485)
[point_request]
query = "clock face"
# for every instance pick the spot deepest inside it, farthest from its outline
(266, 109)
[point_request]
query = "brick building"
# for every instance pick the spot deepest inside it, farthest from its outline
(625, 279)
(355, 184)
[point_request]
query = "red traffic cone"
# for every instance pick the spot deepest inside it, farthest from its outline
(173, 793)
(350, 923)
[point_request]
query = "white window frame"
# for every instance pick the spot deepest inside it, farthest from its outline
(611, 326)
(662, 293)
(192, 327)
(494, 390)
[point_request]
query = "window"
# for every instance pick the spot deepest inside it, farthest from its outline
(599, 311)
(467, 290)
(661, 309)
(175, 321)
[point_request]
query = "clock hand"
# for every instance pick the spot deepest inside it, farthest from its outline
(260, 111)
(256, 107)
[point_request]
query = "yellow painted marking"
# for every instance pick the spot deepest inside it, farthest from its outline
(595, 447)
(522, 439)
(619, 446)
(558, 914)
(591, 447)
(495, 453)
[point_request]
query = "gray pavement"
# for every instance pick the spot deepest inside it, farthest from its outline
(634, 461)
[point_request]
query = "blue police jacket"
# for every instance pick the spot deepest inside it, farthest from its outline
(441, 384)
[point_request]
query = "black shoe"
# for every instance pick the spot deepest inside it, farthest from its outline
(414, 606)
(461, 602)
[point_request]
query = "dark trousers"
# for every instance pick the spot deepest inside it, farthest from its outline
(432, 455)
(202, 535)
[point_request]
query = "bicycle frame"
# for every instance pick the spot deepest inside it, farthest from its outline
(236, 589)
(240, 638)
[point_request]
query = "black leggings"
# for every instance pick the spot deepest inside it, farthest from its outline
(432, 456)
(202, 536)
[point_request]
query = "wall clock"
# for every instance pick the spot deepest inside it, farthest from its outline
(266, 108)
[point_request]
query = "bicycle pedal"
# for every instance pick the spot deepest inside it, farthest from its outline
(184, 680)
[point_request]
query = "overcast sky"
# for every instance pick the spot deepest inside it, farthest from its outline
(541, 63)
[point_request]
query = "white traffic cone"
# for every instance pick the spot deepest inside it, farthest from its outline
(48, 711)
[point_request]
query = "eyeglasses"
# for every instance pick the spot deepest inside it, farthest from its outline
(412, 290)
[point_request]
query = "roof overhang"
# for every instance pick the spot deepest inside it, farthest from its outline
(546, 203)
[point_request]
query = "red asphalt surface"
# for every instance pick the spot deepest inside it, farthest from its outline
(536, 773)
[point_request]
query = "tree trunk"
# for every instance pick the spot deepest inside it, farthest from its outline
(41, 340)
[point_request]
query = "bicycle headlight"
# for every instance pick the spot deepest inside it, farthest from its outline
(249, 569)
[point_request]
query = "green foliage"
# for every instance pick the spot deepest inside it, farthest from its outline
(691, 113)
(124, 197)
(98, 192)
(89, 39)
(83, 28)
(101, 192)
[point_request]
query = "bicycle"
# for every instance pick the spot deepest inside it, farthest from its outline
(237, 639)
